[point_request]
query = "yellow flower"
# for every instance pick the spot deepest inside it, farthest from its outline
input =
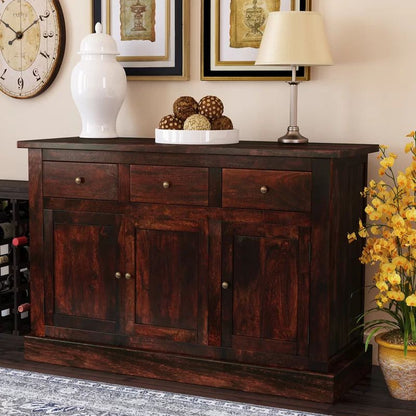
(408, 146)
(382, 286)
(375, 230)
(397, 295)
(411, 300)
(387, 162)
(368, 209)
(394, 278)
(362, 231)
(397, 221)
(411, 134)
(351, 237)
(411, 214)
(402, 180)
(401, 261)
(388, 268)
(376, 202)
(411, 238)
(375, 216)
(391, 212)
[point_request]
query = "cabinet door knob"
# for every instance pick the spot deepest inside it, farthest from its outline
(166, 184)
(264, 189)
(127, 276)
(79, 180)
(225, 285)
(117, 275)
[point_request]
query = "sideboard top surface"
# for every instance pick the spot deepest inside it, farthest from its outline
(243, 148)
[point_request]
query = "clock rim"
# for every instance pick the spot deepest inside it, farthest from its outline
(59, 56)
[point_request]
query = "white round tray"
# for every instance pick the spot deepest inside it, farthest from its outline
(196, 136)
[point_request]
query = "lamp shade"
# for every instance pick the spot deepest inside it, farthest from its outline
(294, 38)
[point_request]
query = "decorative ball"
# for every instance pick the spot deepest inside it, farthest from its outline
(211, 107)
(185, 106)
(170, 122)
(197, 122)
(222, 123)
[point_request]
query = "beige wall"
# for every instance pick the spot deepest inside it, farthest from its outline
(367, 97)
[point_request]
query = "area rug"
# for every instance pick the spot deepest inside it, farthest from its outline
(30, 393)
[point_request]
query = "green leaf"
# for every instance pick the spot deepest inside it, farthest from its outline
(370, 336)
(413, 325)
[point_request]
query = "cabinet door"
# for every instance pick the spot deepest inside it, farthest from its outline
(265, 291)
(165, 301)
(82, 257)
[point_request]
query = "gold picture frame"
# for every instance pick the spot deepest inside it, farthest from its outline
(228, 50)
(152, 36)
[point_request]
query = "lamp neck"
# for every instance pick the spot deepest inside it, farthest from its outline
(293, 135)
(293, 99)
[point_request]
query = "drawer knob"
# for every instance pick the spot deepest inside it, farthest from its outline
(225, 285)
(127, 276)
(264, 189)
(166, 184)
(117, 275)
(79, 180)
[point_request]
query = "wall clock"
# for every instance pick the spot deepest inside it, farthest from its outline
(32, 44)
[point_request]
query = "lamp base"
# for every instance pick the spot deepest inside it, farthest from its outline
(292, 136)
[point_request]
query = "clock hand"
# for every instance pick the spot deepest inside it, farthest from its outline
(19, 35)
(35, 21)
(7, 25)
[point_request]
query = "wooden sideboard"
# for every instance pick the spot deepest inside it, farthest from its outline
(224, 266)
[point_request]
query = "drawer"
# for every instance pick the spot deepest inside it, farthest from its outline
(80, 180)
(266, 189)
(169, 185)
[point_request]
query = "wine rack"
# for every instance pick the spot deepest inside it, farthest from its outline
(14, 258)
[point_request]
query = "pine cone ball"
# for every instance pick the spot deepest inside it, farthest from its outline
(222, 123)
(197, 122)
(170, 122)
(211, 107)
(185, 106)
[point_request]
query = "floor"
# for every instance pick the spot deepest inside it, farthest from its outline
(368, 398)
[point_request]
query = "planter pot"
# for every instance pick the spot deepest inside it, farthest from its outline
(399, 370)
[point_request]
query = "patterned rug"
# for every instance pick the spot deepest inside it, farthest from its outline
(29, 393)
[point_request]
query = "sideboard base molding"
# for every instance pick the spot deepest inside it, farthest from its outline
(304, 385)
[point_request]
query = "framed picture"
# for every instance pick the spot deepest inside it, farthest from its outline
(231, 31)
(152, 36)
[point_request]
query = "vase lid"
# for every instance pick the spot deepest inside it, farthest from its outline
(98, 43)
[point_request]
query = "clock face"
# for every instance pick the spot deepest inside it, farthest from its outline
(32, 43)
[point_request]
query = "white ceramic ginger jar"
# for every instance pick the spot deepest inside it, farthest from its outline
(98, 85)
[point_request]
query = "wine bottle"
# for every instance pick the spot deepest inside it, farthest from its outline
(4, 270)
(20, 241)
(4, 285)
(6, 230)
(5, 249)
(4, 259)
(23, 307)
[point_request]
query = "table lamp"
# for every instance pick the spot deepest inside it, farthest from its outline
(294, 38)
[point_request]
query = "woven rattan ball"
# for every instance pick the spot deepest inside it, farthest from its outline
(170, 122)
(197, 122)
(222, 123)
(185, 106)
(211, 107)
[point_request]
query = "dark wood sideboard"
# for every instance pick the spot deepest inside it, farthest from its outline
(224, 266)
